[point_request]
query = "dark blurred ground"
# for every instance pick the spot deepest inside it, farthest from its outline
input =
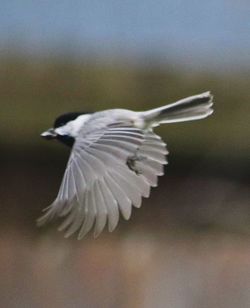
(188, 246)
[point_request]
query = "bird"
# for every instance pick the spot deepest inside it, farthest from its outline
(116, 157)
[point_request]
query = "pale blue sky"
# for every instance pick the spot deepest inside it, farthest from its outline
(215, 32)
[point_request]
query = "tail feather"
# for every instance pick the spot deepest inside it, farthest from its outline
(191, 108)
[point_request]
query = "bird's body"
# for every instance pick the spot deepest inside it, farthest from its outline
(115, 160)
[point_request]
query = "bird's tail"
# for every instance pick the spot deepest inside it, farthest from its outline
(191, 108)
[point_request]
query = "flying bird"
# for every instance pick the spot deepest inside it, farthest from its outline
(115, 160)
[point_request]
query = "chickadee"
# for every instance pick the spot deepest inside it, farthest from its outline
(115, 159)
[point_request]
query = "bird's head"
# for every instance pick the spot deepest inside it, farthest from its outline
(66, 127)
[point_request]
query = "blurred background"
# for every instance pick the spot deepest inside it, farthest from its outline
(189, 244)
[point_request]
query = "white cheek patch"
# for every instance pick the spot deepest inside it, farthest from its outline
(63, 130)
(78, 123)
(72, 128)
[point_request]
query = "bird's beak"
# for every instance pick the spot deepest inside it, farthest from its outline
(49, 134)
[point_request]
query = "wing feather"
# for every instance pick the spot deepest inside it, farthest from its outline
(122, 199)
(111, 205)
(69, 218)
(131, 191)
(101, 214)
(90, 212)
(135, 180)
(131, 148)
(99, 183)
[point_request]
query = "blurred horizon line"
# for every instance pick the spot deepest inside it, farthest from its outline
(170, 60)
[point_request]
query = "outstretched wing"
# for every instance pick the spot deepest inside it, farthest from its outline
(108, 171)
